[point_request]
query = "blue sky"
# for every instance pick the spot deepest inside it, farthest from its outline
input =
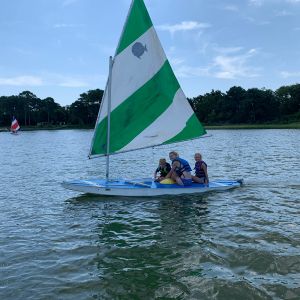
(60, 48)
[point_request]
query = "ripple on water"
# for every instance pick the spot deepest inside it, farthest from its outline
(240, 244)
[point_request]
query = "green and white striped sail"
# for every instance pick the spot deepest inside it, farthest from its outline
(148, 107)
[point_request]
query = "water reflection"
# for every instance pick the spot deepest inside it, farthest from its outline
(144, 244)
(238, 244)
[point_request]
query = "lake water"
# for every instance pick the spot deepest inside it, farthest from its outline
(238, 244)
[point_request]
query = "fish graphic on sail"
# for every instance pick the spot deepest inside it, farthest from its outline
(148, 106)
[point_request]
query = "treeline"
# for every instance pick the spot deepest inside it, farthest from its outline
(252, 106)
(236, 106)
(31, 110)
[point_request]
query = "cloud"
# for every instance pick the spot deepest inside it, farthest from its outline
(52, 79)
(283, 13)
(227, 50)
(231, 8)
(74, 83)
(232, 67)
(256, 22)
(227, 65)
(62, 80)
(183, 26)
(176, 61)
(185, 71)
(22, 81)
(256, 3)
(286, 74)
(182, 70)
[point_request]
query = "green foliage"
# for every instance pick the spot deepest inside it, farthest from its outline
(84, 111)
(252, 106)
(31, 110)
(236, 106)
(289, 99)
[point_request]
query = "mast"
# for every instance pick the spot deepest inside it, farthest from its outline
(108, 118)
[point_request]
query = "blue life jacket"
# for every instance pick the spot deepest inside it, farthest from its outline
(198, 169)
(184, 166)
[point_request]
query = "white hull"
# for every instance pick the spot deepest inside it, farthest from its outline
(143, 188)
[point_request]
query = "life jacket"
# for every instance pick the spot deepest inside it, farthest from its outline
(198, 169)
(165, 170)
(184, 166)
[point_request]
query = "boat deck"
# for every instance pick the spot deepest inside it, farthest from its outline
(144, 187)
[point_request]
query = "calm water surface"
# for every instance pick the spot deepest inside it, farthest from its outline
(239, 244)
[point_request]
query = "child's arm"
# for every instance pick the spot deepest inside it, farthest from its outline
(206, 174)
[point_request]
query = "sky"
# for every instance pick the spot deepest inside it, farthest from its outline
(60, 48)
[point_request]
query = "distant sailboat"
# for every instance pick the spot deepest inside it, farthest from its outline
(143, 106)
(15, 127)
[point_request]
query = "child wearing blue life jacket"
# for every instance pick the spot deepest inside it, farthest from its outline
(163, 168)
(180, 171)
(201, 175)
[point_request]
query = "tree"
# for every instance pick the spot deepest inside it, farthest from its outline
(85, 109)
(289, 99)
(235, 96)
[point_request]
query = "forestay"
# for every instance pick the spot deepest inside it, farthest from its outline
(148, 107)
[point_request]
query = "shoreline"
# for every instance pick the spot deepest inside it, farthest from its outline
(295, 125)
(58, 127)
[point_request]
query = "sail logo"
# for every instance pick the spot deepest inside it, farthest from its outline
(138, 49)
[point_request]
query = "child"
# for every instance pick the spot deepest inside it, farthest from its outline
(201, 175)
(180, 171)
(164, 168)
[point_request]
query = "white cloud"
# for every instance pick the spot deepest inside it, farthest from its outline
(231, 8)
(176, 61)
(283, 13)
(225, 65)
(256, 22)
(257, 3)
(75, 83)
(183, 26)
(22, 81)
(231, 67)
(286, 74)
(62, 80)
(52, 79)
(185, 71)
(182, 70)
(227, 50)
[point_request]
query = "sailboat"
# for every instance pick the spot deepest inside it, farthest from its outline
(141, 98)
(14, 126)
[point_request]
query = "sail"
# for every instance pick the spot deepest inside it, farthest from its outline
(14, 125)
(148, 106)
